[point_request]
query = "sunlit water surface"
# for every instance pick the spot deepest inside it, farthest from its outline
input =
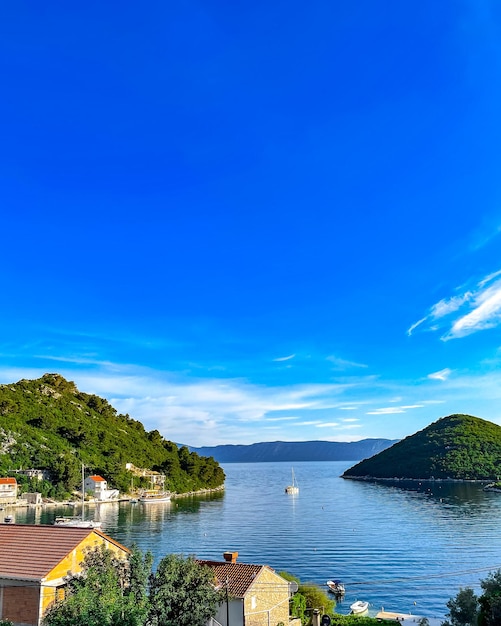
(405, 547)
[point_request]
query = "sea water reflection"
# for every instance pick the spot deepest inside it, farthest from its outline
(405, 546)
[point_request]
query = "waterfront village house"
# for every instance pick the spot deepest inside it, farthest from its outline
(256, 594)
(98, 487)
(8, 490)
(34, 560)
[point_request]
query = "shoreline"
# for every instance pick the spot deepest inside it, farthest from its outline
(420, 480)
(72, 503)
(200, 492)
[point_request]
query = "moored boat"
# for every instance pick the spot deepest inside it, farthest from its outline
(293, 488)
(77, 522)
(336, 586)
(359, 607)
(153, 497)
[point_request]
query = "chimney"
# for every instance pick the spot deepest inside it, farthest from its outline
(230, 557)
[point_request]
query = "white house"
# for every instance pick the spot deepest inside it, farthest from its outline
(8, 490)
(98, 487)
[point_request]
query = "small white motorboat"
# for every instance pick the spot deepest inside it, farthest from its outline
(359, 607)
(336, 586)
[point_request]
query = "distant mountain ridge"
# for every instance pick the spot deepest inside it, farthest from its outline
(295, 451)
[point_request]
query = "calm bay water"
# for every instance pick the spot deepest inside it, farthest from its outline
(407, 548)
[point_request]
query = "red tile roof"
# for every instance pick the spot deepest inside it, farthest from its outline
(240, 576)
(31, 551)
(8, 481)
(97, 478)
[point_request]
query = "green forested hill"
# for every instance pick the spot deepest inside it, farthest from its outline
(49, 424)
(459, 447)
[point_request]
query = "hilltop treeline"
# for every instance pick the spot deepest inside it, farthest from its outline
(460, 447)
(49, 424)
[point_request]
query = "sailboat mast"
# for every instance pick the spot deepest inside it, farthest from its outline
(83, 492)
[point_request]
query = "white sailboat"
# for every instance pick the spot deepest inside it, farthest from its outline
(79, 522)
(293, 488)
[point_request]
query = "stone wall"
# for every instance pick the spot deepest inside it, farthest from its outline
(267, 601)
(20, 605)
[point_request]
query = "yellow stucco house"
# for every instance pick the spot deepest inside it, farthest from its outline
(34, 560)
(256, 594)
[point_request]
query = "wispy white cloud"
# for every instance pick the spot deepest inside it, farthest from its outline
(393, 410)
(485, 314)
(343, 364)
(216, 410)
(412, 328)
(441, 375)
(489, 277)
(284, 358)
(76, 360)
(390, 410)
(449, 305)
(466, 313)
(339, 428)
(282, 419)
(485, 234)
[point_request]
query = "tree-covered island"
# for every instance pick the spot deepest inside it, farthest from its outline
(50, 425)
(457, 447)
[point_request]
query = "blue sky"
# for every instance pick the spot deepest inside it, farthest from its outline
(255, 221)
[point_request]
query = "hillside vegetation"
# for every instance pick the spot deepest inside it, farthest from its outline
(460, 447)
(49, 424)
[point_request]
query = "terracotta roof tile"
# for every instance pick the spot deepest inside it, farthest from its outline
(97, 478)
(240, 576)
(30, 551)
(8, 481)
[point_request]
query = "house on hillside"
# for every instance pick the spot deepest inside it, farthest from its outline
(157, 480)
(34, 561)
(255, 594)
(37, 474)
(8, 490)
(98, 487)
